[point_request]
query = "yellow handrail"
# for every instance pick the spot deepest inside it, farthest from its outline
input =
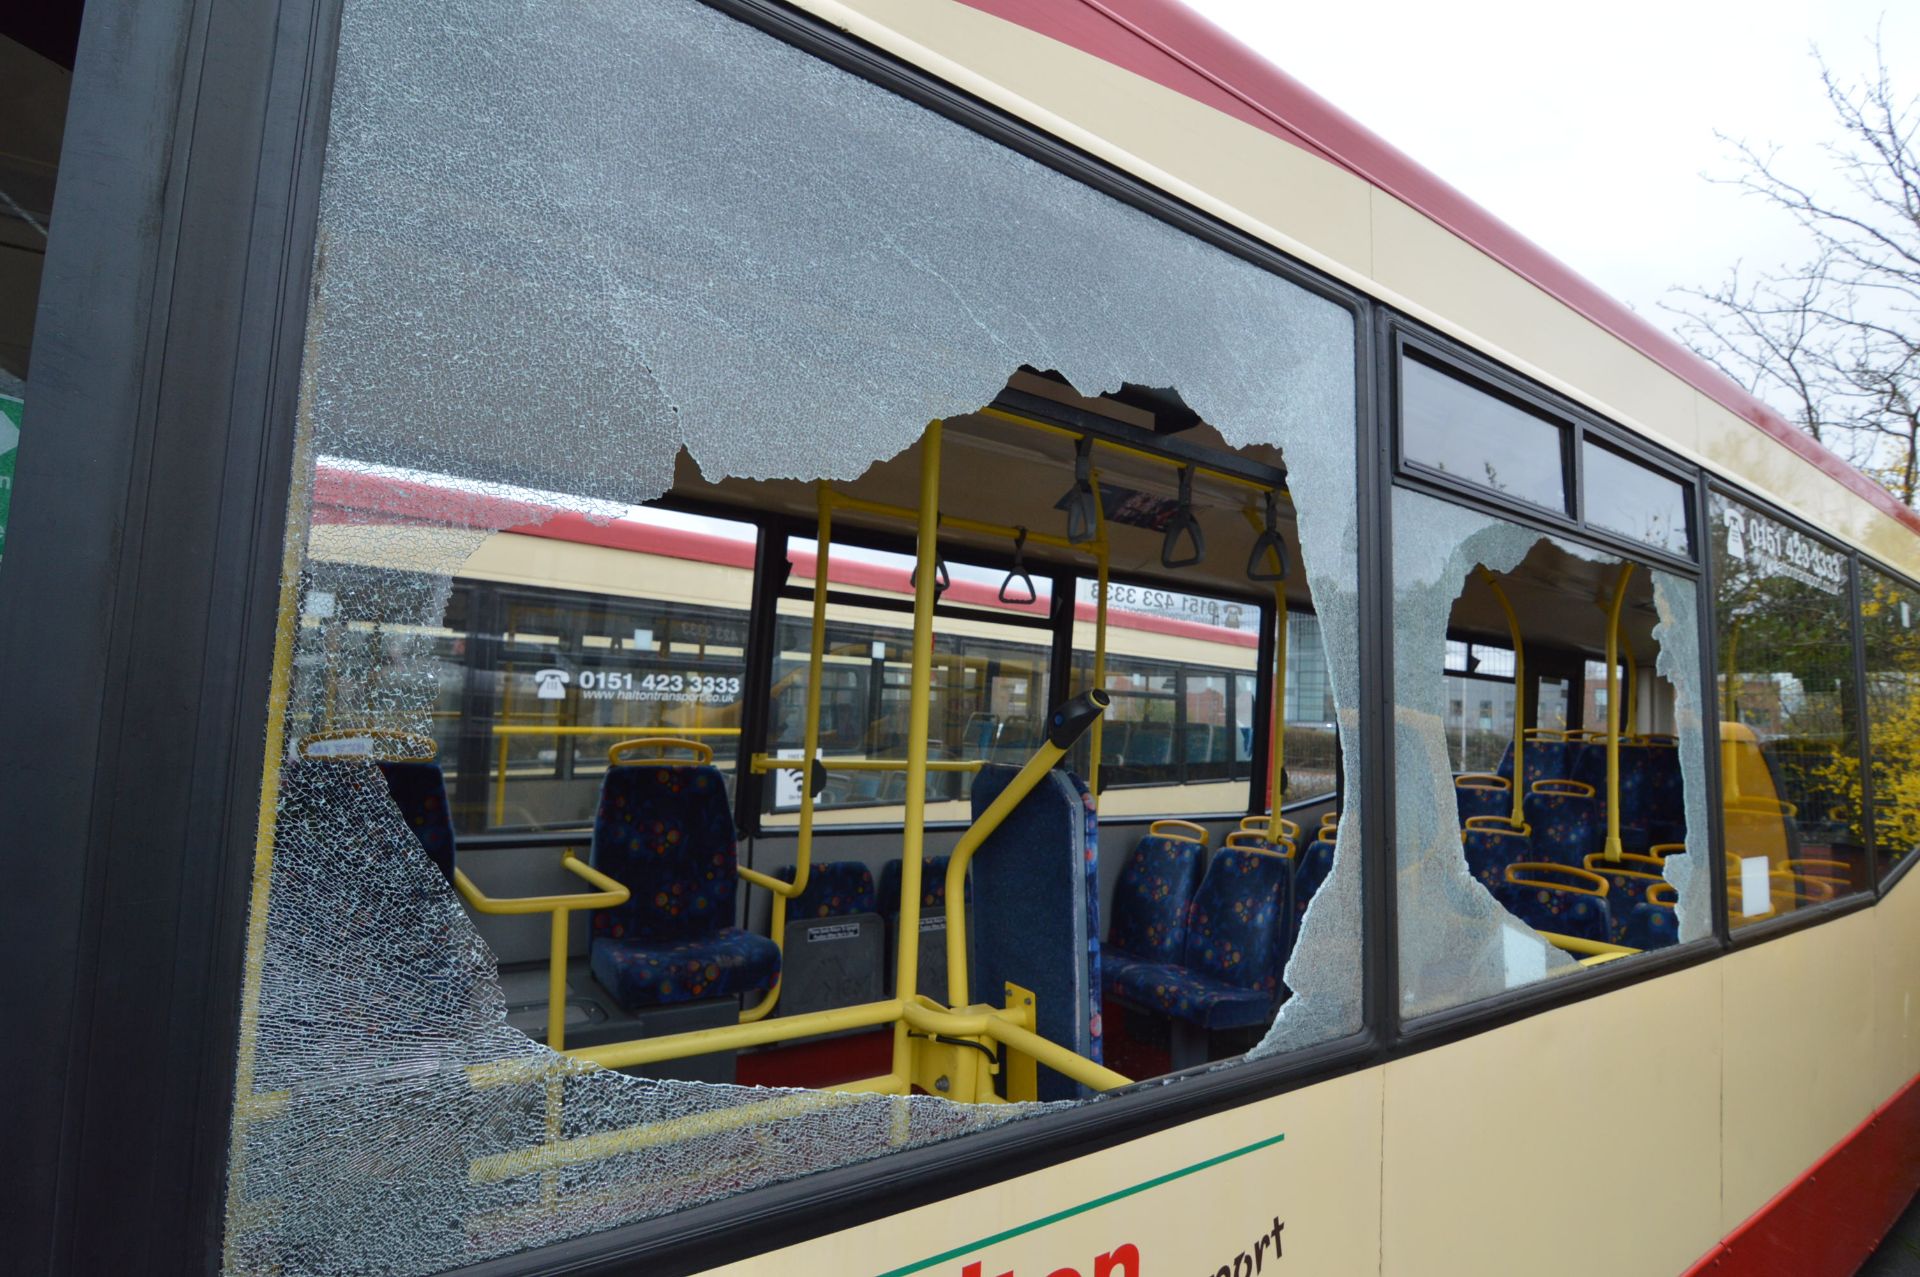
(1175, 828)
(610, 893)
(1519, 695)
(512, 729)
(1613, 848)
(617, 755)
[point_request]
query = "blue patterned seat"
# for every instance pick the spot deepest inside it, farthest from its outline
(1628, 880)
(1666, 795)
(1035, 918)
(1150, 904)
(835, 889)
(1562, 910)
(1239, 935)
(1637, 781)
(1477, 796)
(1490, 851)
(1313, 870)
(420, 791)
(1546, 760)
(665, 832)
(1151, 899)
(1566, 825)
(933, 886)
(1650, 926)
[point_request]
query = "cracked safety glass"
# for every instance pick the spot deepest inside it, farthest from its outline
(1548, 753)
(691, 435)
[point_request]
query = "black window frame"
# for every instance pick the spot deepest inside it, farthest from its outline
(1408, 338)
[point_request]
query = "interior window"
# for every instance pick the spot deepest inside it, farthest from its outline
(1789, 731)
(990, 691)
(1528, 848)
(1472, 434)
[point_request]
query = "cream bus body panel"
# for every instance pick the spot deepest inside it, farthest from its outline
(1330, 218)
(1687, 1101)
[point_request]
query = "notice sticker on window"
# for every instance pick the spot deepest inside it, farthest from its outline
(1525, 956)
(1756, 889)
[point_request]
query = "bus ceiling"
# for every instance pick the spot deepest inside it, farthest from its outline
(1190, 511)
(1539, 588)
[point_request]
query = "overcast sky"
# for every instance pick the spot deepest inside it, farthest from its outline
(1589, 134)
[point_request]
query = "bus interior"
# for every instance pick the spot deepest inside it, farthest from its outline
(1053, 812)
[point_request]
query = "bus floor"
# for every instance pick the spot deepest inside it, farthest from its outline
(820, 1063)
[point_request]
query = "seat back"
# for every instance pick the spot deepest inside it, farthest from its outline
(1151, 898)
(663, 830)
(1240, 929)
(1490, 848)
(1547, 759)
(835, 888)
(1557, 898)
(420, 791)
(1650, 926)
(1478, 795)
(1565, 819)
(1035, 914)
(1150, 747)
(1313, 870)
(1628, 880)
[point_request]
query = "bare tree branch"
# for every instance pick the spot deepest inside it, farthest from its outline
(1839, 338)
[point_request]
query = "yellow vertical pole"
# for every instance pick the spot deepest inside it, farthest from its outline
(557, 982)
(913, 836)
(816, 671)
(810, 745)
(1519, 699)
(1631, 692)
(1277, 743)
(1613, 848)
(1095, 746)
(500, 788)
(1730, 713)
(1103, 561)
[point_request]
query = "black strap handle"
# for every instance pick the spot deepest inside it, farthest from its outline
(1082, 507)
(1018, 572)
(1267, 542)
(1184, 524)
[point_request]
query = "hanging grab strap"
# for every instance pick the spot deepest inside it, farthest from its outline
(1183, 523)
(1082, 507)
(1018, 572)
(940, 578)
(1268, 541)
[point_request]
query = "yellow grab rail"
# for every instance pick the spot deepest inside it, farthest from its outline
(1613, 848)
(1174, 828)
(1519, 694)
(609, 894)
(620, 754)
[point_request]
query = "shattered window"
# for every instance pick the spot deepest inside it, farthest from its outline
(1563, 852)
(1889, 612)
(1789, 723)
(573, 260)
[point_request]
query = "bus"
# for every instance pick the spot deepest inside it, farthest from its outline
(741, 636)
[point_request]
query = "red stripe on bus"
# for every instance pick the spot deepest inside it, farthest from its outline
(1163, 41)
(1829, 1220)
